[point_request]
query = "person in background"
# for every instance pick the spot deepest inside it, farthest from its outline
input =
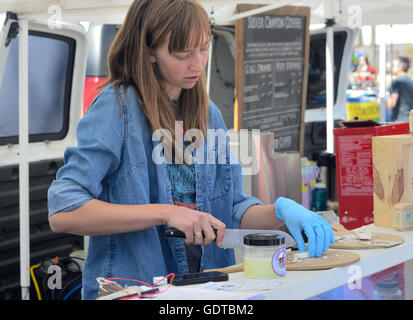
(356, 56)
(400, 100)
(365, 73)
(121, 189)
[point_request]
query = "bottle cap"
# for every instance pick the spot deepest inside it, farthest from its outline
(263, 239)
(320, 185)
(392, 283)
(324, 160)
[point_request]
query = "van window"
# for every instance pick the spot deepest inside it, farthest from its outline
(316, 95)
(51, 60)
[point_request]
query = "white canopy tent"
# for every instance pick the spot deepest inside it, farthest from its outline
(113, 11)
(351, 13)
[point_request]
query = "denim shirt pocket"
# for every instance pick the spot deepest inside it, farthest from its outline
(218, 176)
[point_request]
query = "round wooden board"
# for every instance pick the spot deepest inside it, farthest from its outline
(356, 244)
(330, 259)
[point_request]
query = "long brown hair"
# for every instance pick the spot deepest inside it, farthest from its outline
(146, 26)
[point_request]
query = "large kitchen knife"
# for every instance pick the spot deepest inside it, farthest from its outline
(234, 238)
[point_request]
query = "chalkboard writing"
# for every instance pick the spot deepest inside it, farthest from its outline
(273, 66)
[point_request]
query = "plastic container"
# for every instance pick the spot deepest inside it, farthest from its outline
(309, 174)
(364, 107)
(388, 289)
(319, 198)
(265, 256)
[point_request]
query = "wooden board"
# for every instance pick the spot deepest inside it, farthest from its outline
(378, 240)
(330, 259)
(393, 181)
(231, 269)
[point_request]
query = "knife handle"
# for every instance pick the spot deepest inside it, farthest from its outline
(175, 233)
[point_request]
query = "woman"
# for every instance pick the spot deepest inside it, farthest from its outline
(116, 187)
(365, 73)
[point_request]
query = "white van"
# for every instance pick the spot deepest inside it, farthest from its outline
(57, 63)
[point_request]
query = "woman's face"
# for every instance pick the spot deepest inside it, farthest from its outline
(181, 70)
(362, 61)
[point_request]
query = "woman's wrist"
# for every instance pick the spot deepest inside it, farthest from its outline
(166, 210)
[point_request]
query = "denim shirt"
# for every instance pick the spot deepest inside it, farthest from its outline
(113, 162)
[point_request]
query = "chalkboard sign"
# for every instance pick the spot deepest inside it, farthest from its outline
(271, 73)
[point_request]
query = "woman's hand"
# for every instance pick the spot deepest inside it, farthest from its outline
(194, 224)
(297, 218)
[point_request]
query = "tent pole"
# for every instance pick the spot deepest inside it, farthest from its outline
(208, 84)
(24, 216)
(382, 78)
(329, 75)
(330, 88)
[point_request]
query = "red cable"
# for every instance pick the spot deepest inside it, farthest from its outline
(147, 284)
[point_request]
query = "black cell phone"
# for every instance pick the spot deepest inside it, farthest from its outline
(198, 277)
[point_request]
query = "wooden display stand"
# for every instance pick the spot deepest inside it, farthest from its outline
(393, 180)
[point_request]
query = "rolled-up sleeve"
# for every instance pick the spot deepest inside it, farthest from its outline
(241, 201)
(100, 136)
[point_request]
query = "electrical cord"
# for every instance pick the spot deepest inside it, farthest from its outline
(150, 292)
(79, 258)
(41, 288)
(68, 285)
(72, 291)
(36, 286)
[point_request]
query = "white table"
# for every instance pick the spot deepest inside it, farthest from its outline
(299, 285)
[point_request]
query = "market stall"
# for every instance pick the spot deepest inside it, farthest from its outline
(351, 13)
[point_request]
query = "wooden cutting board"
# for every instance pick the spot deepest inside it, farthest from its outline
(330, 259)
(351, 240)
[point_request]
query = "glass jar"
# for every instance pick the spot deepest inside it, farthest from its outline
(265, 256)
(388, 289)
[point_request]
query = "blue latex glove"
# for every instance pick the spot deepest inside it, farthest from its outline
(298, 218)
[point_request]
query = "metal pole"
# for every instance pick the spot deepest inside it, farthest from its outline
(329, 76)
(330, 89)
(24, 218)
(209, 63)
(382, 78)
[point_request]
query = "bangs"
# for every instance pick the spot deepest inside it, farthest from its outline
(189, 28)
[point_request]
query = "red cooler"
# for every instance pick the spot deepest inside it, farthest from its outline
(354, 168)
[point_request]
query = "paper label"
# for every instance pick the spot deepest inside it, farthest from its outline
(279, 261)
(356, 165)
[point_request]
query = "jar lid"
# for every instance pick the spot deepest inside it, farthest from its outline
(320, 185)
(263, 239)
(392, 283)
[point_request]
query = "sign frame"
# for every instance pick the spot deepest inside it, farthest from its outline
(239, 63)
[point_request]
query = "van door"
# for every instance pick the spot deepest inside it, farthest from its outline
(57, 62)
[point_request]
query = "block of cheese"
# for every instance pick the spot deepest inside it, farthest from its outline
(392, 180)
(403, 216)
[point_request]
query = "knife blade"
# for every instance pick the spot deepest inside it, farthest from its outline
(234, 238)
